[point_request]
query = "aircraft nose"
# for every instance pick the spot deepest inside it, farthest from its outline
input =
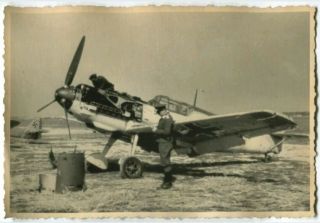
(65, 96)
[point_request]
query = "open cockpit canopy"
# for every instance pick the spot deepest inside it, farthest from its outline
(175, 106)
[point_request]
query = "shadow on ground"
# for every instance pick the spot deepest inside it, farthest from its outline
(189, 169)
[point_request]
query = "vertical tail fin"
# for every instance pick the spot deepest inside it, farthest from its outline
(35, 125)
(33, 130)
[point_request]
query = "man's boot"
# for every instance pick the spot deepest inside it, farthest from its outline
(167, 180)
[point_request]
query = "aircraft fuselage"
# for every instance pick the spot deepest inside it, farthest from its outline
(108, 112)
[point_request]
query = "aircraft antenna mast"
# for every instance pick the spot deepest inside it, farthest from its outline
(195, 98)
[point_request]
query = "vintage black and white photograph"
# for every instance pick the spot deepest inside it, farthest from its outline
(159, 112)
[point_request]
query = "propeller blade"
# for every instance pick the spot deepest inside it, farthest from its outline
(66, 114)
(74, 63)
(51, 102)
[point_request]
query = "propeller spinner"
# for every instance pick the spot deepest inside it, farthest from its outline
(65, 95)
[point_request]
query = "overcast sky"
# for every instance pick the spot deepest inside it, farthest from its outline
(243, 61)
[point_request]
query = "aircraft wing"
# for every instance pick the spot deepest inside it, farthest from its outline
(248, 124)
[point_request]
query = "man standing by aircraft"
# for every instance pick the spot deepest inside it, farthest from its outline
(165, 141)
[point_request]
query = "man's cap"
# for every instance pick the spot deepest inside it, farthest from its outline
(92, 76)
(160, 108)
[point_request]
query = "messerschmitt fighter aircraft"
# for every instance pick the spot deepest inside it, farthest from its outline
(196, 131)
(31, 130)
(26, 131)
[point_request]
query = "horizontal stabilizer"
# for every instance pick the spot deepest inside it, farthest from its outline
(291, 134)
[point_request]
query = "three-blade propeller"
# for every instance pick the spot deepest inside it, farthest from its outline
(61, 94)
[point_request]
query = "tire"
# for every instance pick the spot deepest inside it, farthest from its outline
(131, 167)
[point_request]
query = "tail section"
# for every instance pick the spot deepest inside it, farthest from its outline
(33, 130)
(27, 129)
(36, 125)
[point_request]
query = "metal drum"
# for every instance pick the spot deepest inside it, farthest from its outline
(71, 172)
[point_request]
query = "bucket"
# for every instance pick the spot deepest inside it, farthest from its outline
(70, 172)
(47, 182)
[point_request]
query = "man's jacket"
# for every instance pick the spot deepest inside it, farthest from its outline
(164, 129)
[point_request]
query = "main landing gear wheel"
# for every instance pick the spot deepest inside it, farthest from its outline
(131, 167)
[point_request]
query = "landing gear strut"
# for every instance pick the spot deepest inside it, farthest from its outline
(131, 167)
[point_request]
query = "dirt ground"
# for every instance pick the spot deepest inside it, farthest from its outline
(213, 182)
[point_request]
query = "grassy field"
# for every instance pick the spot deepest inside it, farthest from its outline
(214, 182)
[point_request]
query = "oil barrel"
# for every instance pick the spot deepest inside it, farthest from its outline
(70, 172)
